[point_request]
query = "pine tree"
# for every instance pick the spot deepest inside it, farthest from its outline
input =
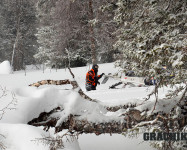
(83, 32)
(65, 39)
(104, 28)
(18, 42)
(152, 36)
(46, 52)
(152, 41)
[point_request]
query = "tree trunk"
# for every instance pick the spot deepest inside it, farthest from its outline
(15, 45)
(91, 29)
(17, 55)
(81, 126)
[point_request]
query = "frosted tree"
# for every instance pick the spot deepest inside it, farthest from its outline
(46, 51)
(104, 28)
(72, 31)
(152, 36)
(46, 35)
(18, 42)
(56, 38)
(84, 30)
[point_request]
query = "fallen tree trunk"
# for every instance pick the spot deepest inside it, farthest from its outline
(131, 118)
(52, 82)
(62, 82)
(75, 85)
(80, 126)
(74, 124)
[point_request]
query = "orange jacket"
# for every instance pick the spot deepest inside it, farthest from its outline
(92, 78)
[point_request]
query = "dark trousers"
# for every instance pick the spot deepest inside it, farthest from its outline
(90, 87)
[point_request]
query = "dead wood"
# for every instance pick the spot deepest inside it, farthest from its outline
(75, 125)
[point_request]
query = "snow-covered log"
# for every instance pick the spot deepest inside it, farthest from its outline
(83, 115)
(132, 118)
(75, 85)
(81, 126)
(90, 116)
(62, 82)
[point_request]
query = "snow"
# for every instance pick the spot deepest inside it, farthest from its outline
(114, 142)
(46, 99)
(178, 61)
(20, 136)
(31, 101)
(5, 67)
(25, 137)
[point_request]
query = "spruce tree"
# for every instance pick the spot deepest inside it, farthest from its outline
(152, 37)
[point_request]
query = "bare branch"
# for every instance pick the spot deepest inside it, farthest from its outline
(156, 99)
(152, 122)
(154, 91)
(1, 144)
(183, 95)
(4, 91)
(56, 142)
(10, 104)
(169, 2)
(71, 72)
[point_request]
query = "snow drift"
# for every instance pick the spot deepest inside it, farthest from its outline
(5, 67)
(25, 137)
(34, 101)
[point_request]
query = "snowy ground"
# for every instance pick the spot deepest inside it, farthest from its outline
(30, 101)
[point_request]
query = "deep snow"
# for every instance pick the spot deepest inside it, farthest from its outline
(30, 101)
(5, 67)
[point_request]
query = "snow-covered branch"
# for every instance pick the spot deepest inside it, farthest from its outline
(56, 141)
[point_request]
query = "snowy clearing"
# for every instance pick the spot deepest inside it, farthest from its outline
(31, 101)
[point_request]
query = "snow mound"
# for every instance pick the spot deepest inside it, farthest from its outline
(25, 137)
(5, 67)
(33, 101)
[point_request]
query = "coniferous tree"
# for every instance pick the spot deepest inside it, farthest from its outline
(105, 28)
(152, 41)
(17, 31)
(79, 31)
(152, 36)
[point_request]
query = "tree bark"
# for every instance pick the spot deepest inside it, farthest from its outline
(17, 54)
(75, 125)
(15, 43)
(91, 29)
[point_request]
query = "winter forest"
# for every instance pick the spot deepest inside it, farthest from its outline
(47, 48)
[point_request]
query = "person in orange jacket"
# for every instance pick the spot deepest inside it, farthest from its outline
(92, 78)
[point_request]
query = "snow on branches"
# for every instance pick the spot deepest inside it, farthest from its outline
(152, 39)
